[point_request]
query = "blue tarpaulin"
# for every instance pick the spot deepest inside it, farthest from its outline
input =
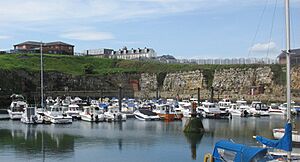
(241, 152)
(284, 143)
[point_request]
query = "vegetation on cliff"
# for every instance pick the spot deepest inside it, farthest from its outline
(82, 65)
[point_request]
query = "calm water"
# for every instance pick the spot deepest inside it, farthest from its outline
(132, 140)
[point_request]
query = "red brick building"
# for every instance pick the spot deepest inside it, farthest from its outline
(50, 48)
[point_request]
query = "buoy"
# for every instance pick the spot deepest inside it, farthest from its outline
(208, 158)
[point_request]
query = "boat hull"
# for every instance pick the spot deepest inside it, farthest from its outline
(88, 118)
(278, 133)
(167, 117)
(14, 115)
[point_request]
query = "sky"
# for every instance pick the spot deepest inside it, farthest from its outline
(186, 29)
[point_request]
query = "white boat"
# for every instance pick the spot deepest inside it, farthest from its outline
(275, 110)
(56, 115)
(73, 111)
(185, 108)
(50, 101)
(257, 108)
(113, 114)
(67, 101)
(166, 112)
(92, 114)
(224, 105)
(239, 111)
(209, 110)
(31, 117)
(145, 115)
(279, 132)
(17, 106)
(283, 107)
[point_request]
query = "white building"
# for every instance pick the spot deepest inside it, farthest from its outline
(139, 53)
(101, 52)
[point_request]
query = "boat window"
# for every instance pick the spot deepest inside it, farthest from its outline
(226, 155)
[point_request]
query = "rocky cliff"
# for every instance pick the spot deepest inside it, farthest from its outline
(251, 83)
(261, 82)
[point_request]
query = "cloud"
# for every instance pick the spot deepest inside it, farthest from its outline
(88, 35)
(4, 37)
(264, 47)
(97, 10)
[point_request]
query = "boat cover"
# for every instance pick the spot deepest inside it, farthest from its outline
(284, 143)
(238, 152)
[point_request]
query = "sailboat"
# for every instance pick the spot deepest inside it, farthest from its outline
(30, 115)
(229, 151)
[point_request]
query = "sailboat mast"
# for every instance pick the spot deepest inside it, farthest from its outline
(42, 83)
(288, 66)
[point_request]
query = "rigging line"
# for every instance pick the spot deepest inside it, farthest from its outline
(258, 27)
(272, 26)
(292, 29)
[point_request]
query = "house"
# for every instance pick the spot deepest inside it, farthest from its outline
(50, 48)
(130, 54)
(294, 57)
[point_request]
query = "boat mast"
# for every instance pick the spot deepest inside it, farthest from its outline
(42, 83)
(288, 66)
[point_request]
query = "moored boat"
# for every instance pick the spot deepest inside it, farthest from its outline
(56, 115)
(210, 110)
(17, 106)
(92, 114)
(113, 114)
(145, 115)
(73, 111)
(166, 112)
(31, 117)
(257, 108)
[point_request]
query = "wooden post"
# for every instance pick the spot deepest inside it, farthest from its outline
(198, 96)
(120, 98)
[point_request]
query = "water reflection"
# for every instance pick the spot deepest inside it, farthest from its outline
(132, 140)
(28, 140)
(194, 139)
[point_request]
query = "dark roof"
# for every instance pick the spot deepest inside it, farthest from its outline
(294, 52)
(47, 44)
(167, 57)
(59, 43)
(29, 43)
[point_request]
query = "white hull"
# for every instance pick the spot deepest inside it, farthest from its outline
(73, 114)
(59, 119)
(88, 118)
(140, 116)
(236, 113)
(278, 133)
(15, 115)
(114, 116)
(33, 120)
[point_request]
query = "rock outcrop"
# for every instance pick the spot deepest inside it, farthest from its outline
(251, 83)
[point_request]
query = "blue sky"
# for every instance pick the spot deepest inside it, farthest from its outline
(184, 29)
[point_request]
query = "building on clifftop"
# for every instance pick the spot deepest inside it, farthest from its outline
(294, 59)
(57, 47)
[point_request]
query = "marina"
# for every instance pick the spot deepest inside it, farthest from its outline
(133, 140)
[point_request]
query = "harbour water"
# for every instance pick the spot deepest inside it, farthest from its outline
(132, 140)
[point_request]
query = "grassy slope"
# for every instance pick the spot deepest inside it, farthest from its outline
(75, 65)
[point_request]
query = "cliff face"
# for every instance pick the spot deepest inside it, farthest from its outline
(260, 83)
(263, 83)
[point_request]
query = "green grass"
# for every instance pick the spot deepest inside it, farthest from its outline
(76, 65)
